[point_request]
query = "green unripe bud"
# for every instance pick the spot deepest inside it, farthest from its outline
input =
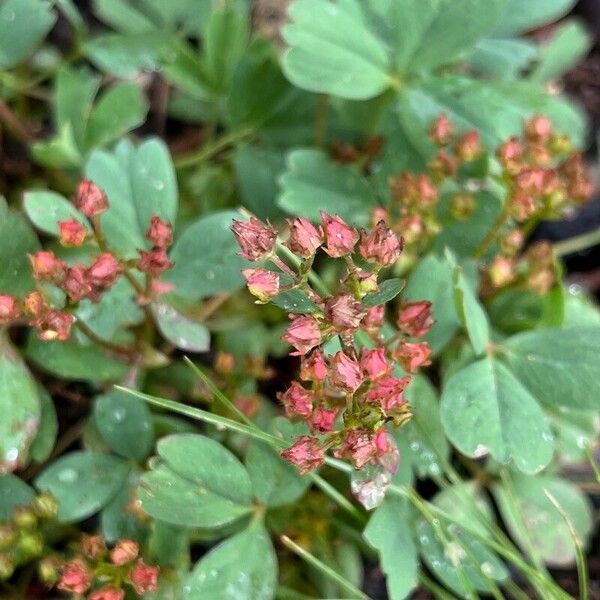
(45, 506)
(31, 545)
(8, 535)
(7, 567)
(24, 518)
(49, 570)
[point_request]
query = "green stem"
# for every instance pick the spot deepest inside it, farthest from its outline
(321, 120)
(211, 149)
(312, 560)
(494, 232)
(577, 243)
(590, 455)
(437, 590)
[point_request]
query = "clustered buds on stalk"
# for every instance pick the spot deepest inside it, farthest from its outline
(347, 397)
(81, 281)
(100, 573)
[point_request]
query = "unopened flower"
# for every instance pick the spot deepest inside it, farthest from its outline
(345, 372)
(35, 306)
(340, 238)
(77, 284)
(71, 233)
(256, 240)
(75, 577)
(322, 419)
(501, 271)
(89, 199)
(538, 129)
(124, 552)
(344, 312)
(55, 325)
(154, 262)
(104, 271)
(441, 131)
(306, 453)
(510, 155)
(373, 363)
(143, 578)
(415, 318)
(160, 232)
(373, 319)
(412, 356)
(297, 400)
(381, 245)
(443, 165)
(303, 333)
(512, 241)
(262, 283)
(47, 267)
(93, 546)
(388, 392)
(305, 238)
(9, 309)
(367, 281)
(107, 592)
(462, 206)
(313, 367)
(522, 205)
(469, 147)
(362, 447)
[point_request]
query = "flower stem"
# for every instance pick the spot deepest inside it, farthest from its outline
(494, 232)
(577, 243)
(211, 149)
(89, 333)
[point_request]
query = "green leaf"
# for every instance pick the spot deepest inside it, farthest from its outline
(275, 482)
(119, 109)
(179, 330)
(23, 26)
(206, 258)
(244, 567)
(169, 545)
(313, 183)
(389, 533)
(559, 367)
(431, 280)
(569, 45)
(82, 483)
(388, 290)
(59, 151)
(486, 409)
(19, 406)
(533, 520)
(17, 239)
(44, 441)
(579, 308)
(332, 51)
(122, 16)
(574, 431)
(14, 492)
(295, 301)
(74, 361)
(125, 424)
(504, 58)
(519, 17)
(117, 520)
(199, 484)
(512, 310)
(45, 209)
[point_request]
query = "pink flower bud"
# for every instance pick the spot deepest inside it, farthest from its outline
(373, 320)
(35, 306)
(256, 240)
(305, 453)
(388, 392)
(75, 577)
(93, 546)
(89, 199)
(303, 333)
(262, 283)
(104, 271)
(501, 271)
(47, 267)
(510, 155)
(160, 233)
(143, 578)
(344, 312)
(55, 325)
(124, 552)
(322, 420)
(340, 238)
(108, 592)
(412, 356)
(380, 246)
(373, 363)
(415, 318)
(469, 147)
(441, 131)
(297, 400)
(538, 129)
(154, 262)
(361, 447)
(531, 181)
(9, 309)
(71, 233)
(345, 373)
(522, 205)
(76, 284)
(313, 367)
(305, 238)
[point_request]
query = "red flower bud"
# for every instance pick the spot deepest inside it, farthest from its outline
(345, 373)
(71, 233)
(469, 146)
(143, 578)
(154, 262)
(75, 577)
(412, 356)
(55, 325)
(104, 271)
(160, 233)
(297, 400)
(76, 284)
(340, 238)
(47, 267)
(262, 283)
(89, 199)
(303, 333)
(538, 129)
(305, 238)
(388, 392)
(313, 367)
(373, 363)
(344, 312)
(256, 239)
(108, 592)
(381, 246)
(9, 309)
(362, 447)
(322, 420)
(415, 318)
(373, 320)
(305, 453)
(510, 155)
(124, 552)
(441, 131)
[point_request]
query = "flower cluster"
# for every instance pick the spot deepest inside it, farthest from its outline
(99, 572)
(85, 281)
(346, 396)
